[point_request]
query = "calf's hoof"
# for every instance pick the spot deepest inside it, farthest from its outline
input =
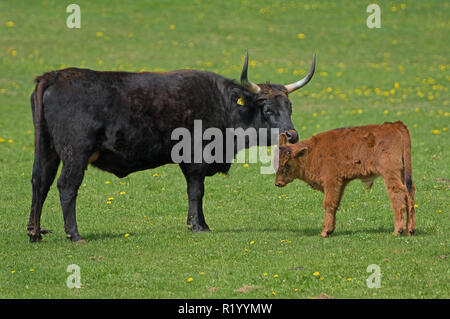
(411, 232)
(325, 234)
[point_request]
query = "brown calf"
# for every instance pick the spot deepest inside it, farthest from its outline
(330, 160)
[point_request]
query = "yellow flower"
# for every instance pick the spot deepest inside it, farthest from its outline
(32, 269)
(275, 276)
(245, 165)
(301, 35)
(349, 279)
(240, 101)
(202, 273)
(127, 235)
(190, 279)
(386, 112)
(110, 198)
(13, 272)
(2, 140)
(107, 182)
(10, 24)
(435, 131)
(172, 27)
(316, 273)
(99, 34)
(122, 193)
(108, 202)
(14, 52)
(265, 274)
(274, 293)
(155, 175)
(415, 205)
(252, 242)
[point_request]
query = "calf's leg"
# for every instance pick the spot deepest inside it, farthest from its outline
(398, 195)
(332, 197)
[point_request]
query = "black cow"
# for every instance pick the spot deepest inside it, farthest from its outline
(121, 122)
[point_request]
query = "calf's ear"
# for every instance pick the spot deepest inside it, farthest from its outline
(297, 152)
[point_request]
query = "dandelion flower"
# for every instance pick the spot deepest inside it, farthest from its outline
(316, 273)
(10, 24)
(245, 165)
(190, 279)
(301, 36)
(275, 276)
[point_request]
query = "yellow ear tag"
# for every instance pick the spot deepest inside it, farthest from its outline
(240, 101)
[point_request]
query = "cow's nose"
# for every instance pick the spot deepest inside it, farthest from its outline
(279, 184)
(292, 136)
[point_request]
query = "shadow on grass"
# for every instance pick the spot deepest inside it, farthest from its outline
(312, 232)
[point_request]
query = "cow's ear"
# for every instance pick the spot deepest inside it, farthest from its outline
(282, 139)
(301, 151)
(241, 98)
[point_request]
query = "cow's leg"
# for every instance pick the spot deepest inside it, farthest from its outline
(72, 173)
(332, 197)
(398, 195)
(195, 190)
(44, 170)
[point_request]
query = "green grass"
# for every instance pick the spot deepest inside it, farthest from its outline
(364, 76)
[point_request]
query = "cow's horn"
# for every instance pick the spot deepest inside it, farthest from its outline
(249, 86)
(296, 85)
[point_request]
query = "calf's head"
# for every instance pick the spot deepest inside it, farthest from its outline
(268, 105)
(289, 164)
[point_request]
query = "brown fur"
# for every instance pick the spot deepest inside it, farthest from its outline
(330, 160)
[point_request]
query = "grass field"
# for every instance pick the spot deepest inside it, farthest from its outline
(264, 241)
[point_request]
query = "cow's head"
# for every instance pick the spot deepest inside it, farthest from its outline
(268, 105)
(289, 165)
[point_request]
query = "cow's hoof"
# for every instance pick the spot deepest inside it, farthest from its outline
(35, 238)
(77, 239)
(200, 228)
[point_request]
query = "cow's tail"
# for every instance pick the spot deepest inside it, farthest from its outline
(37, 108)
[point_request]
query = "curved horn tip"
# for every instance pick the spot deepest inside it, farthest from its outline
(296, 85)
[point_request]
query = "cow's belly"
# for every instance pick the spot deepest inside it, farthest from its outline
(121, 165)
